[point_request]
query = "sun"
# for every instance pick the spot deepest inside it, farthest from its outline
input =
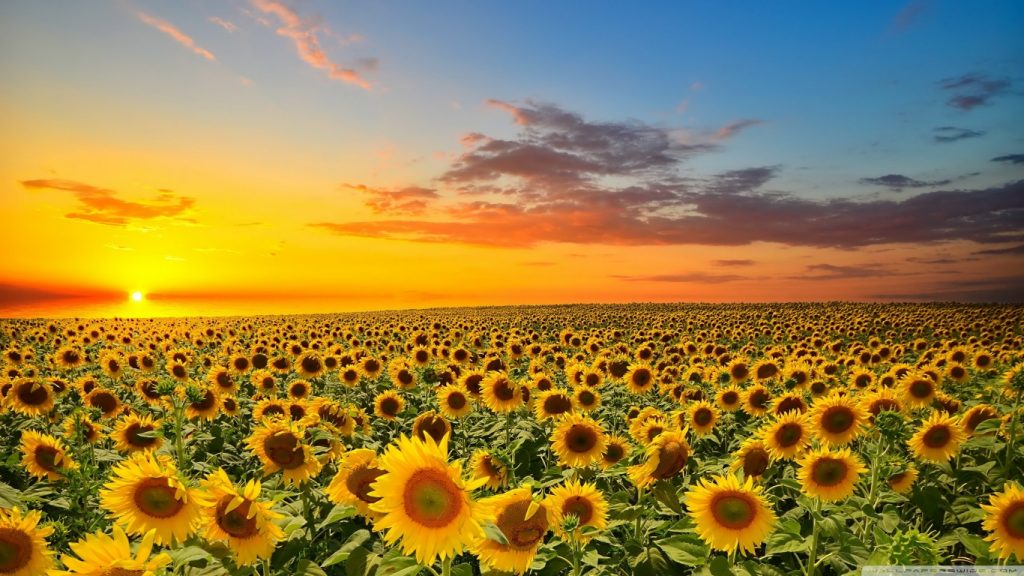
(136, 296)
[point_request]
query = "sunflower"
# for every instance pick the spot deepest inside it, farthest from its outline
(279, 445)
(220, 378)
(752, 458)
(585, 502)
(453, 401)
(472, 381)
(239, 518)
(239, 363)
(976, 415)
(44, 456)
(552, 404)
(264, 382)
(788, 403)
(578, 441)
(1005, 521)
(30, 396)
(765, 370)
(388, 405)
(144, 493)
(69, 357)
(500, 393)
(269, 408)
(82, 424)
(587, 399)
(880, 401)
(729, 398)
(902, 481)
(148, 390)
(309, 364)
(101, 555)
(402, 375)
(178, 371)
(830, 475)
(135, 433)
(229, 406)
(640, 378)
(206, 408)
(357, 471)
(756, 399)
(938, 439)
(23, 549)
(837, 419)
(483, 465)
(423, 500)
(787, 436)
(370, 367)
(729, 515)
(616, 449)
(702, 417)
(663, 458)
(523, 523)
(112, 363)
(431, 424)
(918, 389)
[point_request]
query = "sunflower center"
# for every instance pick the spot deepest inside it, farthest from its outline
(977, 417)
(703, 417)
(1013, 520)
(937, 436)
(581, 438)
(46, 458)
(503, 390)
(733, 510)
(298, 390)
(15, 550)
(311, 365)
(206, 403)
(522, 533)
(759, 398)
(739, 372)
(431, 498)
(360, 480)
(456, 401)
(389, 406)
(883, 404)
(473, 383)
(641, 378)
(837, 419)
(33, 393)
(829, 471)
(105, 401)
(755, 462)
(920, 389)
(767, 371)
(671, 459)
(179, 371)
(789, 404)
(557, 404)
(273, 410)
(731, 397)
(587, 398)
(133, 435)
(284, 450)
(431, 425)
(789, 434)
(156, 497)
(614, 453)
(371, 366)
(579, 507)
(236, 522)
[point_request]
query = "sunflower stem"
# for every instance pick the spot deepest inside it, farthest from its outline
(179, 443)
(307, 511)
(446, 566)
(575, 556)
(813, 552)
(1008, 458)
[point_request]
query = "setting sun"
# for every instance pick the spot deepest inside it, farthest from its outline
(137, 296)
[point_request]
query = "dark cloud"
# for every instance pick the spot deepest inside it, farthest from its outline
(729, 263)
(972, 90)
(1019, 249)
(411, 200)
(835, 272)
(102, 205)
(999, 289)
(947, 134)
(939, 260)
(909, 15)
(685, 278)
(899, 182)
(1010, 158)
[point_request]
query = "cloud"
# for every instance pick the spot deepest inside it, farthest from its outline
(970, 91)
(564, 179)
(947, 134)
(733, 128)
(899, 182)
(685, 278)
(1019, 249)
(410, 200)
(172, 31)
(731, 263)
(103, 206)
(998, 289)
(835, 272)
(303, 33)
(1010, 158)
(225, 24)
(909, 15)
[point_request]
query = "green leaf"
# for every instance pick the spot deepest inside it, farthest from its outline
(976, 545)
(494, 533)
(651, 562)
(666, 494)
(338, 513)
(685, 549)
(462, 570)
(188, 555)
(9, 497)
(309, 568)
(720, 566)
(353, 543)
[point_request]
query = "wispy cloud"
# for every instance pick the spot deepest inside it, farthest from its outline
(899, 182)
(178, 36)
(1010, 158)
(733, 263)
(303, 34)
(225, 24)
(947, 134)
(411, 200)
(910, 14)
(103, 206)
(685, 278)
(970, 91)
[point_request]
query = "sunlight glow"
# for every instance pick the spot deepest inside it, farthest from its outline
(137, 296)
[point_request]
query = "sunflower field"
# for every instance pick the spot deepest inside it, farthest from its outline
(592, 439)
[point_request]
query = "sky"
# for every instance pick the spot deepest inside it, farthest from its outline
(272, 156)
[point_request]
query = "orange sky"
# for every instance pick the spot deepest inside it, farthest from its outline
(176, 165)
